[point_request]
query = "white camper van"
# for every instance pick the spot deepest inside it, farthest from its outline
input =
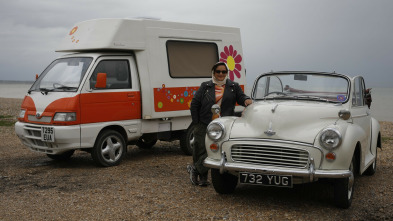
(124, 81)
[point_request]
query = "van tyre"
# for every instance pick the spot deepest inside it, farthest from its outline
(62, 156)
(223, 183)
(109, 149)
(187, 140)
(344, 187)
(145, 143)
(373, 167)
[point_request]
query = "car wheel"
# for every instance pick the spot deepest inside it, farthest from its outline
(145, 143)
(223, 183)
(373, 167)
(344, 187)
(109, 149)
(62, 156)
(187, 140)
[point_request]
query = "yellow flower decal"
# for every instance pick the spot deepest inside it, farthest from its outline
(232, 59)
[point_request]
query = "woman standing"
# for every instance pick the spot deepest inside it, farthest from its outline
(222, 91)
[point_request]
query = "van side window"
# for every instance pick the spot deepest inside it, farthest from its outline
(191, 59)
(117, 74)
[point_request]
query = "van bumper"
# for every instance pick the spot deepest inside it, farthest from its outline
(65, 137)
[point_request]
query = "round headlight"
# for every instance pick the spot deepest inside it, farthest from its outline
(215, 131)
(330, 138)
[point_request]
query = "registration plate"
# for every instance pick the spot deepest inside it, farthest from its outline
(266, 180)
(48, 134)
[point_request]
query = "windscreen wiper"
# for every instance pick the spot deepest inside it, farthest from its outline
(60, 86)
(45, 90)
(66, 88)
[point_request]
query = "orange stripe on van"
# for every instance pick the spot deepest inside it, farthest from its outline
(91, 107)
(174, 98)
(110, 106)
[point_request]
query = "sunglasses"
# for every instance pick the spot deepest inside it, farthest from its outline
(224, 72)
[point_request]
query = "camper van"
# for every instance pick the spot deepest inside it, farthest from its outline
(124, 82)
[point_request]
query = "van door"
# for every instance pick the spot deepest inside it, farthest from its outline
(118, 98)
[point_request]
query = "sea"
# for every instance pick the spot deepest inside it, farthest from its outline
(381, 106)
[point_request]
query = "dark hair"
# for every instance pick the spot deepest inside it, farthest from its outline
(218, 64)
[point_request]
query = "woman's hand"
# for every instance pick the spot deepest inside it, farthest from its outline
(247, 102)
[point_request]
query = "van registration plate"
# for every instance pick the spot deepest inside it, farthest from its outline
(266, 180)
(48, 134)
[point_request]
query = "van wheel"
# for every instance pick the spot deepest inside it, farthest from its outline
(62, 156)
(146, 143)
(373, 167)
(109, 149)
(223, 183)
(187, 140)
(344, 187)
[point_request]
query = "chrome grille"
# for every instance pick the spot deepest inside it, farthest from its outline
(270, 156)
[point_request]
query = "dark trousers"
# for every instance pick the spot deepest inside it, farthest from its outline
(199, 153)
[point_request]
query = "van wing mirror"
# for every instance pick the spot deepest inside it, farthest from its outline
(101, 80)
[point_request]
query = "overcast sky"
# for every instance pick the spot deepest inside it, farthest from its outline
(353, 37)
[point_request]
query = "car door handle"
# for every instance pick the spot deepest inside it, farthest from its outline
(131, 95)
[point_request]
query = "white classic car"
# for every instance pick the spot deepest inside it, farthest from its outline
(302, 126)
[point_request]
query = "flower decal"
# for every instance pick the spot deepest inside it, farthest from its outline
(232, 59)
(73, 30)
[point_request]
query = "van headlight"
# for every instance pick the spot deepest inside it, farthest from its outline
(22, 113)
(330, 138)
(215, 131)
(64, 117)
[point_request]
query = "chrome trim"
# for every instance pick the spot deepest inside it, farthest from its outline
(360, 115)
(34, 118)
(270, 155)
(273, 141)
(222, 129)
(310, 173)
(278, 141)
(312, 170)
(340, 138)
(222, 163)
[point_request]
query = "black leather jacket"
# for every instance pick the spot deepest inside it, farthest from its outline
(205, 97)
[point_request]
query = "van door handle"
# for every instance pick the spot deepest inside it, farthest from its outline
(131, 95)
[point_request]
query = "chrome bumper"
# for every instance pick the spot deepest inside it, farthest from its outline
(310, 172)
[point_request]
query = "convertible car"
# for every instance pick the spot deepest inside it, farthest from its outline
(301, 127)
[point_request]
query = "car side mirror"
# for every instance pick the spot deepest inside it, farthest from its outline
(101, 80)
(216, 110)
(344, 114)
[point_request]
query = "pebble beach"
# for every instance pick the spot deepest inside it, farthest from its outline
(154, 185)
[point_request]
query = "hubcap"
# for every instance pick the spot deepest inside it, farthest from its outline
(111, 149)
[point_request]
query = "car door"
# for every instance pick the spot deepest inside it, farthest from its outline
(361, 117)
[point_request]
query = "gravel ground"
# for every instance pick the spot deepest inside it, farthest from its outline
(154, 185)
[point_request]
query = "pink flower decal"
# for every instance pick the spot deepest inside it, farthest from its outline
(232, 59)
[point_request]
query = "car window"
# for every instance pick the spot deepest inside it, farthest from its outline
(357, 97)
(117, 74)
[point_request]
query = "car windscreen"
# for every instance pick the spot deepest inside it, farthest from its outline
(305, 86)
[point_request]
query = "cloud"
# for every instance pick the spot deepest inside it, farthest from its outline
(349, 36)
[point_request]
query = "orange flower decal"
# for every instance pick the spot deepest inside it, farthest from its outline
(232, 59)
(73, 30)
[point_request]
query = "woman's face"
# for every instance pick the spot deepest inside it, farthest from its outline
(220, 73)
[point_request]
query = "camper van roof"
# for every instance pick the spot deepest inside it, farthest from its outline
(130, 34)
